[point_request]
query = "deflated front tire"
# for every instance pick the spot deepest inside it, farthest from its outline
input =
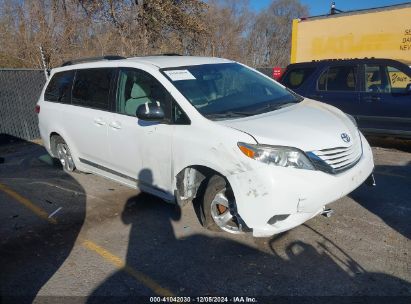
(218, 207)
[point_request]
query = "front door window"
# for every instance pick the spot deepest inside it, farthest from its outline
(136, 88)
(385, 79)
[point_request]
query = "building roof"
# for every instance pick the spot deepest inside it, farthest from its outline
(361, 11)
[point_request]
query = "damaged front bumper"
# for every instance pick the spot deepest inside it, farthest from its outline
(272, 199)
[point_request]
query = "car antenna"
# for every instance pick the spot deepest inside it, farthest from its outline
(43, 61)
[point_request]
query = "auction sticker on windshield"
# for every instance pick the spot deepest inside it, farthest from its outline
(176, 75)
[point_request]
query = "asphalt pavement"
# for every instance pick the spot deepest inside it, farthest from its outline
(78, 237)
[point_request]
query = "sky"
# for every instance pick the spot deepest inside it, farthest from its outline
(321, 7)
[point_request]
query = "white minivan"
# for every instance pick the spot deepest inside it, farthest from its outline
(252, 155)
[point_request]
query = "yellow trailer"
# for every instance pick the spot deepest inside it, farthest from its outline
(383, 32)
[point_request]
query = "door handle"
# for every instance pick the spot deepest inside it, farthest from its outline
(115, 125)
(98, 121)
(371, 98)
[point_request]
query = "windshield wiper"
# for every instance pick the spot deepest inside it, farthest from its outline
(266, 108)
(284, 104)
(229, 114)
(271, 107)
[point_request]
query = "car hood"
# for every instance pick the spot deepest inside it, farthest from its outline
(308, 125)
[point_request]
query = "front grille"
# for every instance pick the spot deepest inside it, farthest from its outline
(337, 160)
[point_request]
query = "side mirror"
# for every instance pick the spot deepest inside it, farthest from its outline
(408, 88)
(150, 111)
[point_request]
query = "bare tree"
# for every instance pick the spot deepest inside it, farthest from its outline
(80, 28)
(76, 28)
(269, 39)
(228, 21)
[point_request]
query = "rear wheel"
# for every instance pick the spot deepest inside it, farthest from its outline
(64, 155)
(218, 207)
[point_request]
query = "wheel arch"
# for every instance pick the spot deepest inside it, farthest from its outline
(53, 136)
(190, 182)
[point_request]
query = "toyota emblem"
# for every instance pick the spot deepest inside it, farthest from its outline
(345, 137)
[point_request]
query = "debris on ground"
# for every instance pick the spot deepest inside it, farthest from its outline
(55, 212)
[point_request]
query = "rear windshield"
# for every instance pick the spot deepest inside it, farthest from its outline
(229, 90)
(296, 77)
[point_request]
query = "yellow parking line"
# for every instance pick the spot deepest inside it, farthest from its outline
(105, 254)
(118, 262)
(28, 204)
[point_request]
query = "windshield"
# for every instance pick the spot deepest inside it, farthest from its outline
(229, 90)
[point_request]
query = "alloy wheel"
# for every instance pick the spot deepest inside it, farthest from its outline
(64, 155)
(220, 212)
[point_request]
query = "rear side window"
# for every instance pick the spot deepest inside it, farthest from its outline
(59, 87)
(296, 77)
(92, 88)
(340, 78)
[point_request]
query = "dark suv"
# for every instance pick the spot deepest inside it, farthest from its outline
(377, 92)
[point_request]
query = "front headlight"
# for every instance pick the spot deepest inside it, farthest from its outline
(277, 155)
(352, 119)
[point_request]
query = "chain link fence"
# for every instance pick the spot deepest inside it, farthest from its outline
(266, 71)
(19, 92)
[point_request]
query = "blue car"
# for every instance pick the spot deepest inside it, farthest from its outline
(377, 92)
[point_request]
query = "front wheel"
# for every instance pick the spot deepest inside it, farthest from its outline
(218, 207)
(64, 155)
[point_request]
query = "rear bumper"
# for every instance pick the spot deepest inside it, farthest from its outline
(294, 195)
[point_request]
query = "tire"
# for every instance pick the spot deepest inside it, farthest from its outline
(63, 154)
(217, 207)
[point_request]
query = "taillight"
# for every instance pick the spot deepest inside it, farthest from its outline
(37, 109)
(277, 73)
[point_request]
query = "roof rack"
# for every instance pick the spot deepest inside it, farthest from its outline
(91, 59)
